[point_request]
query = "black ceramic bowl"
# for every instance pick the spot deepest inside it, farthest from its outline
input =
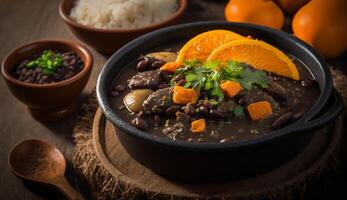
(194, 161)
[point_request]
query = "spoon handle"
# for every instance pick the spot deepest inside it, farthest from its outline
(67, 189)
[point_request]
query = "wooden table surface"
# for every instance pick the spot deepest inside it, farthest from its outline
(22, 21)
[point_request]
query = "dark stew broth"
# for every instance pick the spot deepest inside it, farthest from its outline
(296, 98)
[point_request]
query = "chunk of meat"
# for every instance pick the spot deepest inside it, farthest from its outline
(181, 126)
(223, 110)
(183, 118)
(147, 79)
(247, 97)
(226, 106)
(161, 98)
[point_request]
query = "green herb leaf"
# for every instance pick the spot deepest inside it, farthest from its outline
(48, 61)
(238, 111)
(191, 63)
(249, 78)
(194, 76)
(208, 75)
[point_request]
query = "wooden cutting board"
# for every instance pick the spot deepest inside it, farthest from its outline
(295, 176)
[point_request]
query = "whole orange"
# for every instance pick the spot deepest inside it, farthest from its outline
(261, 12)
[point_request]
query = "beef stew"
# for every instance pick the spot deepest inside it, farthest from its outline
(225, 120)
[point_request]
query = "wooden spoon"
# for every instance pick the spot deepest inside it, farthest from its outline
(38, 161)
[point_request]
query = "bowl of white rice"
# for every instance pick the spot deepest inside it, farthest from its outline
(106, 25)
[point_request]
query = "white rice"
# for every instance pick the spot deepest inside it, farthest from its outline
(122, 14)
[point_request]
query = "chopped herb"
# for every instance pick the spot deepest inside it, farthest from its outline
(250, 78)
(49, 62)
(208, 75)
(238, 111)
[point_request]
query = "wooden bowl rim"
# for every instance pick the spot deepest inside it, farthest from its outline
(68, 43)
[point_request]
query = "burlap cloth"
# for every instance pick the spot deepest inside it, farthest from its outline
(105, 186)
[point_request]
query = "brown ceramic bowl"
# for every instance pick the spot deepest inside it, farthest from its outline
(107, 41)
(53, 101)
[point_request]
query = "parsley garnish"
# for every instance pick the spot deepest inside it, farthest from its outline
(49, 62)
(208, 75)
(238, 111)
(235, 71)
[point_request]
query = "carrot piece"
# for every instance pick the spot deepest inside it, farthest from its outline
(259, 110)
(184, 96)
(170, 67)
(230, 88)
(198, 126)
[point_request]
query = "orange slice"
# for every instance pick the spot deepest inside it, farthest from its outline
(258, 54)
(201, 46)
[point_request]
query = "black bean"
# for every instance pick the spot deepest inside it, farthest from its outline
(140, 123)
(38, 70)
(67, 76)
(307, 83)
(28, 73)
(38, 77)
(142, 65)
(166, 76)
(157, 120)
(67, 70)
(203, 94)
(276, 90)
(33, 74)
(200, 103)
(181, 82)
(44, 78)
(23, 64)
(114, 93)
(216, 114)
(71, 63)
(57, 76)
(163, 85)
(203, 110)
(68, 54)
(208, 104)
(297, 116)
(243, 101)
(172, 110)
(178, 78)
(158, 63)
(189, 110)
(281, 121)
(157, 110)
(119, 88)
(29, 80)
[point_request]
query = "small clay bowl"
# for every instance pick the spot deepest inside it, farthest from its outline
(53, 101)
(107, 41)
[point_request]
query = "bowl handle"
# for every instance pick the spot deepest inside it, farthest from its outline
(328, 114)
